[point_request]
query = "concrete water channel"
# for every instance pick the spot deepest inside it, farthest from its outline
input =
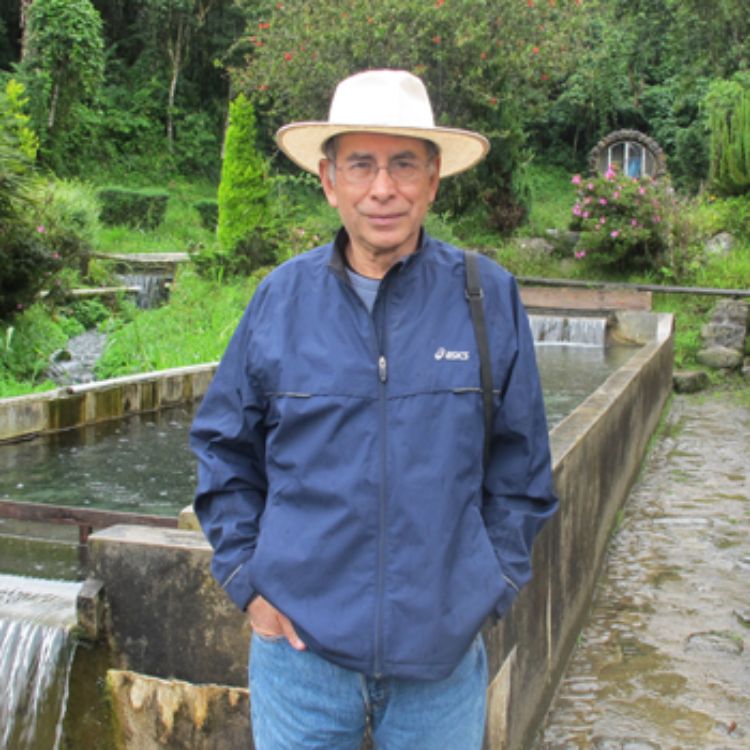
(176, 648)
(663, 662)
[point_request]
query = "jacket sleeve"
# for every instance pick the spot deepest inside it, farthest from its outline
(518, 493)
(228, 439)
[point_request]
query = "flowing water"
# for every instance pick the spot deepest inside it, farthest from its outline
(36, 653)
(152, 287)
(664, 660)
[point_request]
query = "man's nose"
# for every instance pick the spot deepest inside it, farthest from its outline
(382, 183)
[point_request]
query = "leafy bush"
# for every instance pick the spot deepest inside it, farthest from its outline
(728, 105)
(139, 209)
(624, 222)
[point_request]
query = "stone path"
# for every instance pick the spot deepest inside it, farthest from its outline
(664, 661)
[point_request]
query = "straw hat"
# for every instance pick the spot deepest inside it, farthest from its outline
(393, 102)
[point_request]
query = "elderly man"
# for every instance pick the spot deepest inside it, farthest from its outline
(360, 510)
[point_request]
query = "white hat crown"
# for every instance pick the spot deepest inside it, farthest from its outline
(389, 102)
(388, 98)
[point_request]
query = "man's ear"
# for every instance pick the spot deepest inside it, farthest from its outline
(324, 172)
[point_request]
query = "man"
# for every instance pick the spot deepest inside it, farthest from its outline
(340, 446)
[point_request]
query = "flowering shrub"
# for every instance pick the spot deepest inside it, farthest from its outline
(624, 222)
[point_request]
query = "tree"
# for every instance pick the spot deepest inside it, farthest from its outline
(246, 223)
(64, 59)
(178, 21)
(728, 107)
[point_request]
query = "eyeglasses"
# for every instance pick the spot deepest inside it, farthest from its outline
(403, 171)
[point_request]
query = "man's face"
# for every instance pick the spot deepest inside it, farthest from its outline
(382, 213)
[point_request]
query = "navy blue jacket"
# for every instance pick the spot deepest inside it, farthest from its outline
(340, 459)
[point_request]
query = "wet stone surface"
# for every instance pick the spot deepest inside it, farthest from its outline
(75, 363)
(664, 661)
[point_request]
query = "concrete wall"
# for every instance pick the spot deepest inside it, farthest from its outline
(169, 619)
(597, 453)
(78, 405)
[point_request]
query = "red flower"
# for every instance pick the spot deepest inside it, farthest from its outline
(287, 56)
(263, 87)
(483, 56)
(436, 39)
(535, 50)
(545, 77)
(439, 3)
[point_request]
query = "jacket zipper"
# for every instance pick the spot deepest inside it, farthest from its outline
(377, 317)
(379, 325)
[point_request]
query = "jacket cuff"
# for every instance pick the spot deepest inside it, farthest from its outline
(239, 586)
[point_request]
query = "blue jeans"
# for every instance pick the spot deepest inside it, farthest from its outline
(303, 702)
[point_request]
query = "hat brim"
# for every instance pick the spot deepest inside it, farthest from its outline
(460, 150)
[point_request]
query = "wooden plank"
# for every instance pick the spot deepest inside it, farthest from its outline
(573, 298)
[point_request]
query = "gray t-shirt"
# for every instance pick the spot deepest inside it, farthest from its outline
(366, 288)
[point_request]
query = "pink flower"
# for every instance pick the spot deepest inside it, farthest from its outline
(587, 200)
(616, 194)
(576, 210)
(585, 214)
(641, 191)
(614, 234)
(603, 220)
(610, 174)
(603, 201)
(634, 222)
(657, 219)
(576, 179)
(590, 186)
(580, 254)
(55, 256)
(41, 229)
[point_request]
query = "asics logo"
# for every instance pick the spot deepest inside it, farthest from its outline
(443, 353)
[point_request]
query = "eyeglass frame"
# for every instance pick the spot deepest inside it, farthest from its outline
(420, 169)
(330, 149)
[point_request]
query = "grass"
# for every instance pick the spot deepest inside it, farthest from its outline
(194, 328)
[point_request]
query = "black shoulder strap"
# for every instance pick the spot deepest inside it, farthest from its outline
(475, 295)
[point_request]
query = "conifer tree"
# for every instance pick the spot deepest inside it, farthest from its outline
(728, 105)
(246, 225)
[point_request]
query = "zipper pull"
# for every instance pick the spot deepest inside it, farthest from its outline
(382, 368)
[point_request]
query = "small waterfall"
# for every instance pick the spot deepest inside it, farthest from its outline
(152, 287)
(562, 330)
(36, 654)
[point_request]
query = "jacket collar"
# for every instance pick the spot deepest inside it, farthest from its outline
(338, 263)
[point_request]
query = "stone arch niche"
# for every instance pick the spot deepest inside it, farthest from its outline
(633, 153)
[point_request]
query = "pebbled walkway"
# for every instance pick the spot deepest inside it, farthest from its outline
(664, 661)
